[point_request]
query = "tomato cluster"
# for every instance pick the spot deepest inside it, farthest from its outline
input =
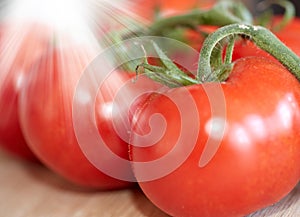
(222, 142)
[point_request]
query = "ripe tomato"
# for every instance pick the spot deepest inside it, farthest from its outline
(288, 35)
(46, 117)
(21, 45)
(258, 158)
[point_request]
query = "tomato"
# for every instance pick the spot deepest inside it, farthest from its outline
(46, 117)
(257, 161)
(20, 46)
(48, 124)
(288, 35)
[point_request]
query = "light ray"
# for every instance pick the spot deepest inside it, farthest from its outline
(34, 27)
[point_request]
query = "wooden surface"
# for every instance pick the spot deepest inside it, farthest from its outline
(32, 191)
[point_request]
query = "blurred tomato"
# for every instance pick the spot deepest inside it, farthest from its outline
(46, 110)
(20, 46)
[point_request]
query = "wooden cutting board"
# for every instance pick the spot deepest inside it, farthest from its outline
(28, 190)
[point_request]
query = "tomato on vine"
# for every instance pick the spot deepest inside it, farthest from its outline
(246, 152)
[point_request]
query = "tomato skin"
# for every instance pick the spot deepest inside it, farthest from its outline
(288, 35)
(46, 118)
(21, 45)
(258, 161)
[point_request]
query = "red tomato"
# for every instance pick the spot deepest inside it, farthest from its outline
(46, 118)
(257, 161)
(47, 121)
(288, 35)
(21, 45)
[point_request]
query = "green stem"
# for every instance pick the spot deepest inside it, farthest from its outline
(261, 36)
(223, 13)
(229, 51)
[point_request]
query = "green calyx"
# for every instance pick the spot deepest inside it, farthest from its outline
(168, 74)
